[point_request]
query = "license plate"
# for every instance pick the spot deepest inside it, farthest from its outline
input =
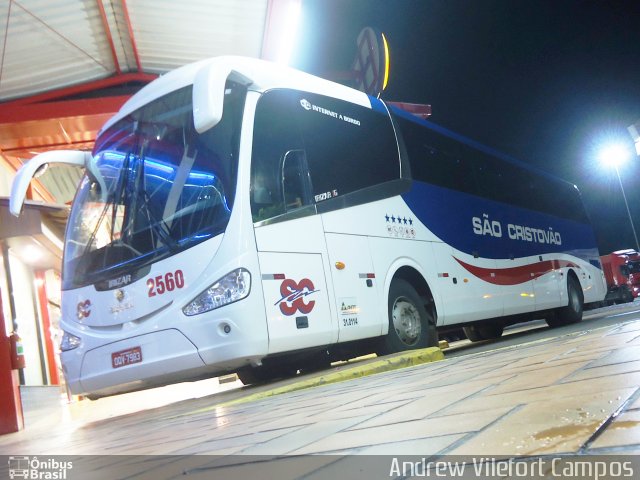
(126, 357)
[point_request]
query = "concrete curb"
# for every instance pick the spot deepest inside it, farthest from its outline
(384, 364)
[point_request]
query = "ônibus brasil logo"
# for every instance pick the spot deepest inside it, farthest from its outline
(293, 296)
(34, 468)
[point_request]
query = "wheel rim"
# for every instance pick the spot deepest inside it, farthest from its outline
(406, 321)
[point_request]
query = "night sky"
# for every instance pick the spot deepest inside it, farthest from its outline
(546, 81)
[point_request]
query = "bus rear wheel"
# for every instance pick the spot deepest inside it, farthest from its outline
(487, 331)
(572, 313)
(411, 325)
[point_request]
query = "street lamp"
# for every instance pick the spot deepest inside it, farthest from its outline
(614, 156)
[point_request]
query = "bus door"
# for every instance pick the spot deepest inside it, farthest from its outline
(355, 286)
(291, 252)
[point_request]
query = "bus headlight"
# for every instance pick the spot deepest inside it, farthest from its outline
(232, 287)
(69, 342)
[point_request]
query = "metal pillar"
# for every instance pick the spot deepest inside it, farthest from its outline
(11, 418)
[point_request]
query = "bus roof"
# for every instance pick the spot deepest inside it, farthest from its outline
(262, 74)
(268, 75)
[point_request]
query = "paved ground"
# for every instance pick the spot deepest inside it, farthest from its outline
(572, 394)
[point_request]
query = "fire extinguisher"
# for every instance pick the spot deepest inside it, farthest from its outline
(17, 352)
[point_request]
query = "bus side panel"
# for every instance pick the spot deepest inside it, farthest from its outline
(297, 306)
(356, 286)
(465, 297)
(292, 257)
(390, 254)
(591, 278)
(548, 287)
(531, 249)
(598, 285)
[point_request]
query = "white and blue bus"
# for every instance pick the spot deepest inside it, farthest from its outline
(239, 216)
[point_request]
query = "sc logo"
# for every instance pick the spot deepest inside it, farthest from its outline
(294, 295)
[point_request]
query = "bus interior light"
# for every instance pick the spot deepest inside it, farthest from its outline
(234, 286)
(69, 342)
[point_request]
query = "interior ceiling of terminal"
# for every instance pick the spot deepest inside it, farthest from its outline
(67, 65)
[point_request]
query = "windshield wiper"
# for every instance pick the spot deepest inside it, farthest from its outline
(156, 223)
(120, 187)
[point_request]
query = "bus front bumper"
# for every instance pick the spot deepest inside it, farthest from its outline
(138, 362)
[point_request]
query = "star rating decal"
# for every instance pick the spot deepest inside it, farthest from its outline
(400, 226)
(400, 220)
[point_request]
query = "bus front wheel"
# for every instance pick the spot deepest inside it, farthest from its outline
(411, 326)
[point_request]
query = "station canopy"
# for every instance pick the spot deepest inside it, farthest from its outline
(66, 66)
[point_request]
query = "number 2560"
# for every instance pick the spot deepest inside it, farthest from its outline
(165, 283)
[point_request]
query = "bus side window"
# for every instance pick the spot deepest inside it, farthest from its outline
(276, 148)
(296, 185)
(349, 149)
(266, 198)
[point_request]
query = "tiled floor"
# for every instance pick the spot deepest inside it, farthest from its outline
(577, 393)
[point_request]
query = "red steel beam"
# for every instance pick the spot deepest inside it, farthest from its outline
(107, 31)
(82, 88)
(15, 113)
(11, 417)
(277, 15)
(131, 37)
(266, 35)
(4, 42)
(418, 109)
(28, 152)
(54, 378)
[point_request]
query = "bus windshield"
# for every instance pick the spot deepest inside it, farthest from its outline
(166, 189)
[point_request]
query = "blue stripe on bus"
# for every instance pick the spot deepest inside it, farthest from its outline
(377, 105)
(448, 214)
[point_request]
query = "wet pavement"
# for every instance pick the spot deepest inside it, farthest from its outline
(577, 393)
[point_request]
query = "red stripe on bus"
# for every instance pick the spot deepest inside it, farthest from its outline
(515, 275)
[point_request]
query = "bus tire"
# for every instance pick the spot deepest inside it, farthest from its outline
(263, 374)
(411, 325)
(485, 331)
(572, 313)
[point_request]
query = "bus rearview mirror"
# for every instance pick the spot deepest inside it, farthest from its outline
(37, 164)
(208, 94)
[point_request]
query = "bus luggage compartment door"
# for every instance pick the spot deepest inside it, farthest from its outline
(355, 287)
(296, 300)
